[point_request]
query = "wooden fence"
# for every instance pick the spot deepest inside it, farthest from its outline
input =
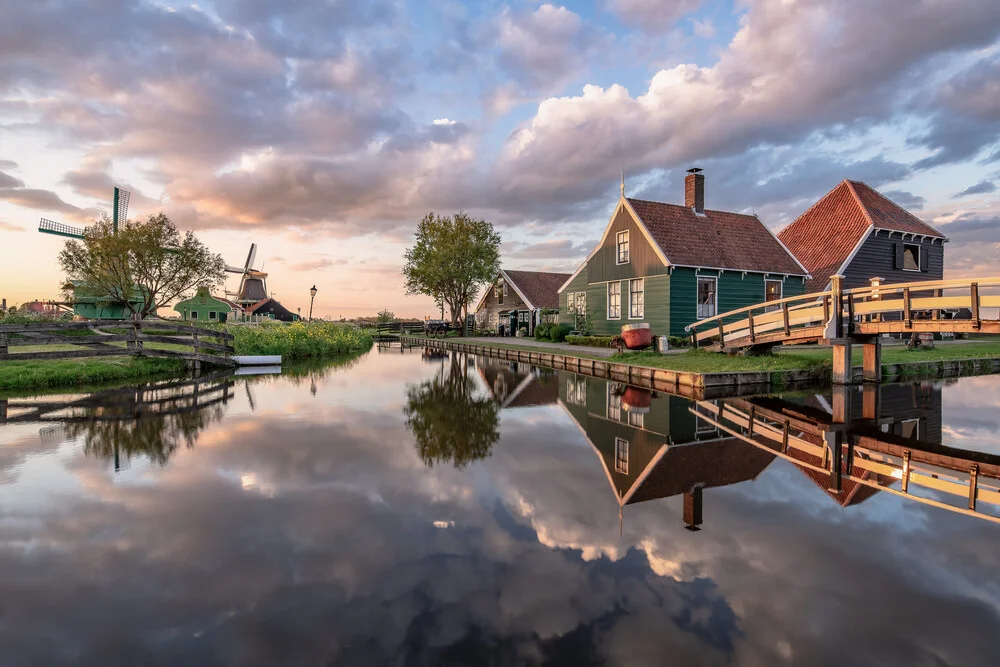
(113, 338)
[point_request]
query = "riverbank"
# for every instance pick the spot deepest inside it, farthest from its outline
(705, 374)
(299, 341)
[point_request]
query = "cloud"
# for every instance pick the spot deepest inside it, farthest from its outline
(907, 200)
(7, 181)
(983, 187)
(549, 249)
(43, 200)
(315, 264)
(7, 227)
(651, 15)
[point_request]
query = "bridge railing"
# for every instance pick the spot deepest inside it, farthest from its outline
(782, 319)
(926, 300)
(109, 338)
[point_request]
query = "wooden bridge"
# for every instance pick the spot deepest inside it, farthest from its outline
(842, 317)
(108, 338)
(860, 453)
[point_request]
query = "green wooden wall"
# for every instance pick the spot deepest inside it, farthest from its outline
(643, 259)
(736, 290)
(656, 306)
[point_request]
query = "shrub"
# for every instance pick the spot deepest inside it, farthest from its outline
(543, 330)
(299, 340)
(678, 341)
(592, 341)
(555, 333)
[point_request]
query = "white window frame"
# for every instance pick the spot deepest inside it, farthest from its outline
(637, 419)
(622, 240)
(613, 404)
(715, 292)
(621, 456)
(576, 390)
(916, 428)
(194, 314)
(212, 315)
(781, 293)
(617, 313)
(499, 292)
(642, 306)
(917, 255)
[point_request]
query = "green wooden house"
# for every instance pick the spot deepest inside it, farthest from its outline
(670, 265)
(95, 305)
(205, 307)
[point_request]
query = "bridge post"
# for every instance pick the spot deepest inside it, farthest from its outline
(3, 410)
(842, 371)
(834, 439)
(693, 508)
(872, 364)
(871, 402)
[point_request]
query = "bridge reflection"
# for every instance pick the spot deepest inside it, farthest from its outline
(857, 443)
(150, 420)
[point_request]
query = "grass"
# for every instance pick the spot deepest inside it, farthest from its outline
(38, 374)
(300, 340)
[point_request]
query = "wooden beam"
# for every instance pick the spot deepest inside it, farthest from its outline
(974, 292)
(784, 318)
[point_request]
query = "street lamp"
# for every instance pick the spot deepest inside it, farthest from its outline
(313, 293)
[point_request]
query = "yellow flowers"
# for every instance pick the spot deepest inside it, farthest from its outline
(299, 340)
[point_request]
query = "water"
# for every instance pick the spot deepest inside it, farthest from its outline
(420, 509)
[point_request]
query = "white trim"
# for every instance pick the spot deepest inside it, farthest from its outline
(607, 299)
(506, 278)
(919, 247)
(732, 270)
(715, 294)
(625, 442)
(628, 250)
(622, 204)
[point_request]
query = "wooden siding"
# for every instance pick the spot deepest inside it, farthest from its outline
(656, 306)
(643, 260)
(578, 284)
(876, 258)
(735, 290)
(486, 314)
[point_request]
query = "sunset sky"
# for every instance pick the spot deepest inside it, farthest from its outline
(323, 130)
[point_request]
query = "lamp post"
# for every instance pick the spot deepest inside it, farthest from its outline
(312, 292)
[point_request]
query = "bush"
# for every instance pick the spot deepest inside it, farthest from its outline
(555, 333)
(543, 330)
(592, 341)
(678, 341)
(299, 340)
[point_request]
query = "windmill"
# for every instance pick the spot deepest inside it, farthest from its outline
(253, 283)
(120, 213)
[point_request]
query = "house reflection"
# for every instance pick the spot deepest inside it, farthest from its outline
(852, 445)
(150, 420)
(514, 384)
(652, 446)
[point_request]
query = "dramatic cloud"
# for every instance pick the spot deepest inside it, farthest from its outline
(651, 15)
(907, 200)
(983, 187)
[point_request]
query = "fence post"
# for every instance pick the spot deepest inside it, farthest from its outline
(974, 293)
(753, 337)
(907, 315)
(3, 344)
(784, 317)
(138, 334)
(836, 302)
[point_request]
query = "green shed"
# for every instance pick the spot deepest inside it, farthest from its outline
(205, 307)
(94, 305)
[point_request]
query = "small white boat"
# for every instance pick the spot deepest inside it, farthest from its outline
(258, 360)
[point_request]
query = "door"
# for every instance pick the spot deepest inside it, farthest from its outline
(513, 323)
(772, 292)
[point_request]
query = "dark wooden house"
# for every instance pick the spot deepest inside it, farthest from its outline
(856, 232)
(516, 299)
(272, 309)
(670, 264)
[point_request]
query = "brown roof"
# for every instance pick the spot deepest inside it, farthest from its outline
(717, 239)
(540, 288)
(824, 236)
(714, 463)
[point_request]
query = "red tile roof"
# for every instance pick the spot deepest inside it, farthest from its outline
(717, 239)
(824, 236)
(539, 287)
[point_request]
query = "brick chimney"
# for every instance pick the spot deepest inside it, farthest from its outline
(694, 190)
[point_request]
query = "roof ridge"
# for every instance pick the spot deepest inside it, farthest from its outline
(682, 206)
(857, 198)
(898, 206)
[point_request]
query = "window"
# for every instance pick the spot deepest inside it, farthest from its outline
(622, 239)
(524, 316)
(910, 429)
(772, 292)
(212, 315)
(707, 297)
(499, 291)
(702, 427)
(614, 402)
(637, 419)
(194, 314)
(636, 292)
(581, 302)
(615, 300)
(576, 390)
(911, 257)
(621, 456)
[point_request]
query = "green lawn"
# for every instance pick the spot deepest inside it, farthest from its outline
(74, 372)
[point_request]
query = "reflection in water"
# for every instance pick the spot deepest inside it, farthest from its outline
(310, 531)
(150, 420)
(450, 421)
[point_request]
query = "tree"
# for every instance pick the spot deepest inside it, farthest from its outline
(145, 266)
(385, 316)
(449, 423)
(452, 259)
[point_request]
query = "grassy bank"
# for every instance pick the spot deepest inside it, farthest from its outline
(76, 372)
(300, 340)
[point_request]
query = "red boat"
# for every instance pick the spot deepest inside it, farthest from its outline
(636, 399)
(637, 336)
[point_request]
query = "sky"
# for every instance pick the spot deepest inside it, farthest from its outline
(324, 130)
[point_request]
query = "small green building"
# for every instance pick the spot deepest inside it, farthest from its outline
(670, 265)
(205, 307)
(94, 305)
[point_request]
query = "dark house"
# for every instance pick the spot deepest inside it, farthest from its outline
(271, 308)
(516, 299)
(858, 233)
(670, 265)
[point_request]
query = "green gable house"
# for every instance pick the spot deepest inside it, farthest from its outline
(670, 265)
(205, 307)
(93, 304)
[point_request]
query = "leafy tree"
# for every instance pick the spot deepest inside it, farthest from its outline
(452, 259)
(385, 316)
(451, 424)
(148, 260)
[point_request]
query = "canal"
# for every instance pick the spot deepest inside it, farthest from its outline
(420, 507)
